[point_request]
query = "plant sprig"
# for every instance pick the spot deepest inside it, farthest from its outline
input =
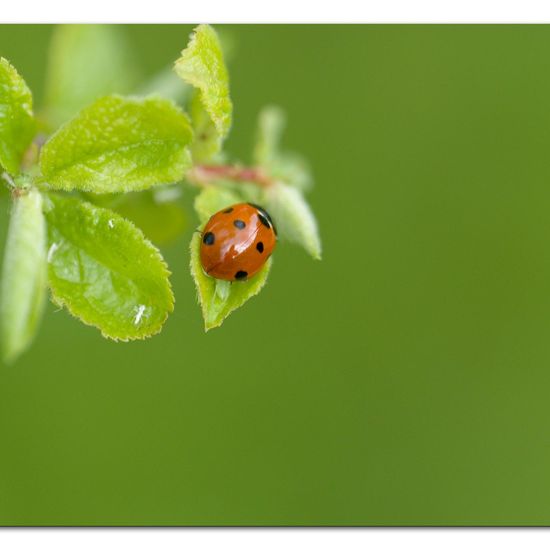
(92, 162)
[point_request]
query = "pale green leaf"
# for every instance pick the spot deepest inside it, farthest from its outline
(286, 166)
(213, 199)
(86, 62)
(219, 298)
(162, 221)
(291, 168)
(118, 144)
(104, 271)
(208, 142)
(158, 212)
(271, 124)
(202, 65)
(229, 41)
(293, 217)
(17, 123)
(167, 84)
(23, 286)
(222, 193)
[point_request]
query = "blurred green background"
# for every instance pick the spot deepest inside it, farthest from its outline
(405, 379)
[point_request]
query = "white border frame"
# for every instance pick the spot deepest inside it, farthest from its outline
(281, 11)
(273, 539)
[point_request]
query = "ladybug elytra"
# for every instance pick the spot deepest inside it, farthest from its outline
(237, 241)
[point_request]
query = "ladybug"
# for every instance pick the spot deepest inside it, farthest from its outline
(237, 241)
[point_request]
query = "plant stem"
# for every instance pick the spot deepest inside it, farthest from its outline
(204, 174)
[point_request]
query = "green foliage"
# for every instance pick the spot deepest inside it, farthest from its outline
(118, 144)
(293, 217)
(85, 63)
(284, 198)
(286, 166)
(167, 84)
(212, 199)
(220, 298)
(16, 118)
(202, 65)
(208, 142)
(104, 271)
(124, 159)
(159, 215)
(271, 124)
(23, 286)
(158, 212)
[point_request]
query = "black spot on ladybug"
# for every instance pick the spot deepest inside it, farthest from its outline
(241, 275)
(208, 238)
(239, 224)
(263, 219)
(260, 247)
(262, 211)
(227, 210)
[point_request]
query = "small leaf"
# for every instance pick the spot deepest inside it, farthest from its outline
(293, 217)
(104, 271)
(166, 84)
(23, 288)
(285, 166)
(161, 221)
(202, 65)
(117, 145)
(271, 124)
(208, 142)
(17, 123)
(211, 200)
(292, 169)
(86, 62)
(220, 298)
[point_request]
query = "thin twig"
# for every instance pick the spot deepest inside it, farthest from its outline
(204, 174)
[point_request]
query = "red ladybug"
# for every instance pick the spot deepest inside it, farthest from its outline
(237, 241)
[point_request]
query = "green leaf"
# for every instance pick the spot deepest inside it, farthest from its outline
(271, 124)
(86, 62)
(166, 84)
(104, 271)
(291, 168)
(285, 166)
(117, 145)
(211, 200)
(162, 221)
(220, 298)
(17, 123)
(23, 288)
(202, 65)
(293, 217)
(208, 142)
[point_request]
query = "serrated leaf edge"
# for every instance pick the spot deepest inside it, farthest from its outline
(61, 302)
